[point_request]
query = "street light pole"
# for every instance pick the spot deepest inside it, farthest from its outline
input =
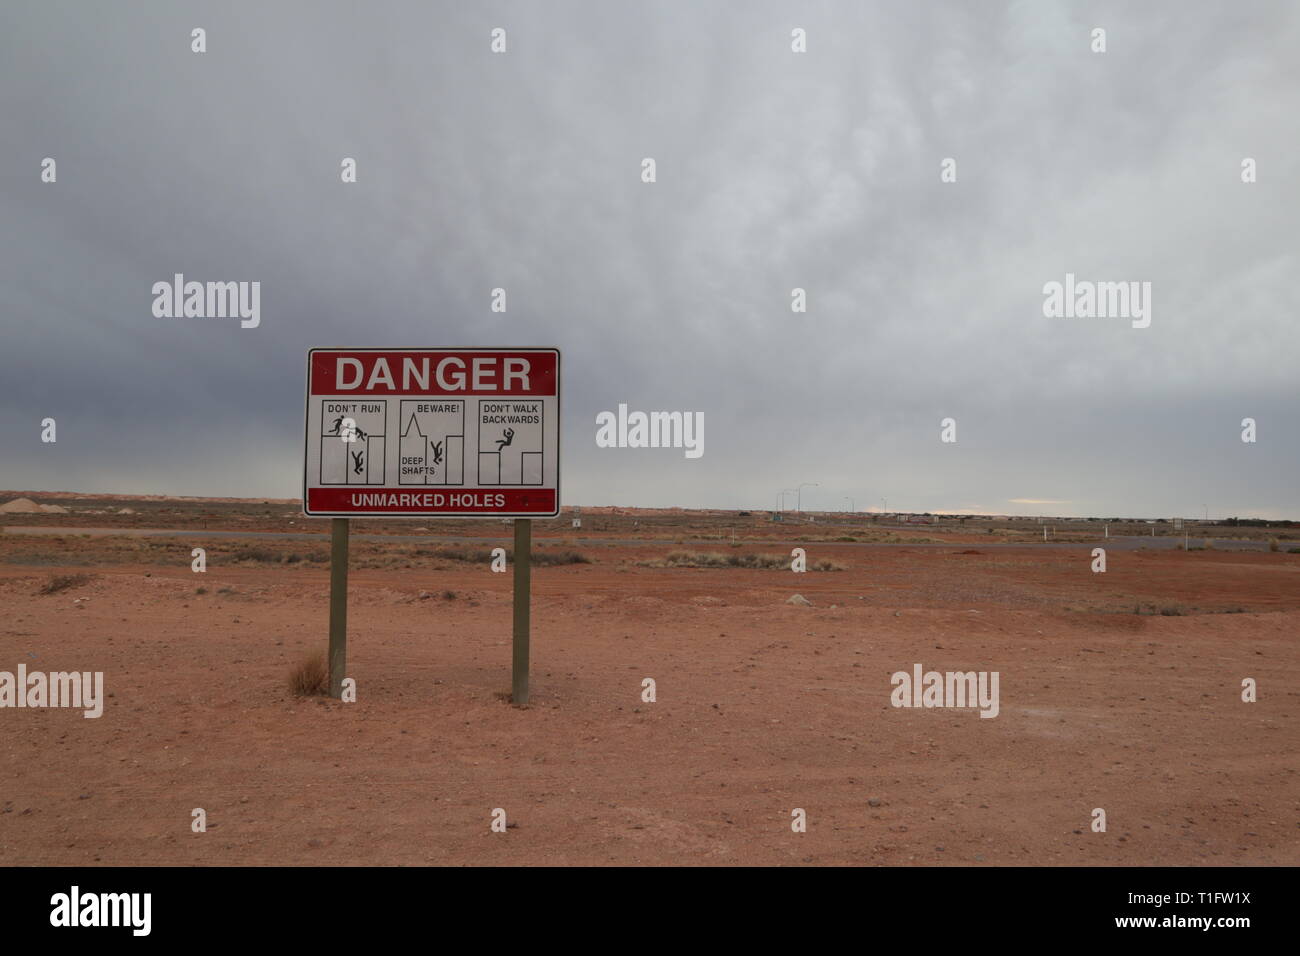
(852, 508)
(798, 506)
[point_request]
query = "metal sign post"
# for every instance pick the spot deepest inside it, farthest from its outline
(523, 594)
(339, 532)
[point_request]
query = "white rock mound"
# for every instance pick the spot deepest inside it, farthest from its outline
(25, 506)
(21, 506)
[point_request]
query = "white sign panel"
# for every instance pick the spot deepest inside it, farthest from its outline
(432, 433)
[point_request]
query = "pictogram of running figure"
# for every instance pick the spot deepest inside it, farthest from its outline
(510, 436)
(350, 433)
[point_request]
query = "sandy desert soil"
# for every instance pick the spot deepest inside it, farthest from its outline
(1117, 690)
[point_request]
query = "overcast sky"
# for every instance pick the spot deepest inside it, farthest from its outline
(775, 170)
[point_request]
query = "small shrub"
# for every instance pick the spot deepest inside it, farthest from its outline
(543, 558)
(254, 554)
(465, 555)
(311, 678)
(62, 582)
(1273, 544)
(200, 590)
(712, 559)
(449, 595)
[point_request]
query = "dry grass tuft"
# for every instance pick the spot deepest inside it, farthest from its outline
(311, 678)
(712, 559)
(260, 555)
(62, 582)
(824, 565)
(559, 557)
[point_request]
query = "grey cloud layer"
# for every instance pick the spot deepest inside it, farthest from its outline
(775, 170)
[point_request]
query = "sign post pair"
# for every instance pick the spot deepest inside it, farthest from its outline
(432, 433)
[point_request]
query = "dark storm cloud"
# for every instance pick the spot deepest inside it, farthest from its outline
(775, 170)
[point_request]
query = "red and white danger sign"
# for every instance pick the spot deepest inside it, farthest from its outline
(432, 433)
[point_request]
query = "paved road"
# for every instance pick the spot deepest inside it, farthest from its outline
(1116, 542)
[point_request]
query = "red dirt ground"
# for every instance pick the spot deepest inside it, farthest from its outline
(762, 707)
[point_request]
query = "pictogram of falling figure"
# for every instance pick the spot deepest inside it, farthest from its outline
(510, 436)
(358, 458)
(437, 453)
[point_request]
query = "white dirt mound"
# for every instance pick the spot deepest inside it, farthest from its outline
(25, 506)
(21, 506)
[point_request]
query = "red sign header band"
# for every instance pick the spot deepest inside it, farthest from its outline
(432, 373)
(539, 501)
